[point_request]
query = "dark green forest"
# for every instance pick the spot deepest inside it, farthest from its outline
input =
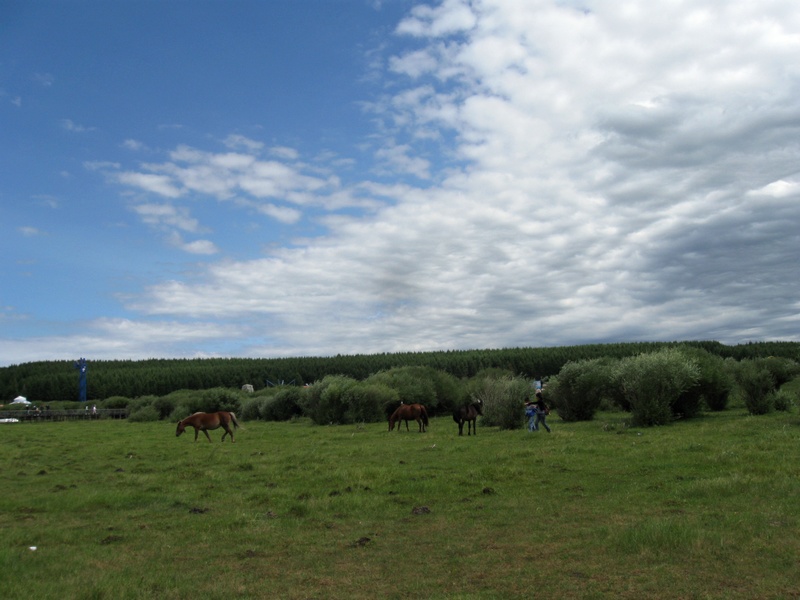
(52, 381)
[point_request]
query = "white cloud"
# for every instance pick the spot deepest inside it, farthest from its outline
(204, 247)
(779, 189)
(452, 16)
(235, 141)
(134, 145)
(28, 231)
(44, 79)
(70, 125)
(284, 214)
(108, 338)
(167, 215)
(284, 153)
(162, 185)
(396, 157)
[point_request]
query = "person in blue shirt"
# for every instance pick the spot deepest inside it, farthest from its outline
(530, 412)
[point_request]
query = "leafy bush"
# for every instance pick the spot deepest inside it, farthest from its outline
(251, 408)
(368, 402)
(415, 385)
(116, 402)
(713, 386)
(782, 370)
(576, 392)
(164, 406)
(283, 406)
(756, 384)
(783, 400)
(221, 399)
(653, 384)
(450, 392)
(503, 400)
(324, 402)
(145, 412)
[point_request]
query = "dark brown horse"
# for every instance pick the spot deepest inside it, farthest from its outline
(409, 412)
(204, 421)
(469, 414)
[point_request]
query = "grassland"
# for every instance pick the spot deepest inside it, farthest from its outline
(708, 508)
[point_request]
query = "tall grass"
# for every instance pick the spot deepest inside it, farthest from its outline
(700, 509)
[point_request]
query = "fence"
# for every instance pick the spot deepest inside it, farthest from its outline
(38, 415)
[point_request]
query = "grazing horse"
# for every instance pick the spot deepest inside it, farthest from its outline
(469, 414)
(204, 421)
(409, 412)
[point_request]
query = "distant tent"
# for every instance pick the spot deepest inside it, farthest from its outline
(20, 400)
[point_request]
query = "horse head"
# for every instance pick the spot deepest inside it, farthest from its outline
(181, 428)
(478, 407)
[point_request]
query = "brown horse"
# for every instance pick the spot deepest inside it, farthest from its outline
(204, 421)
(409, 412)
(469, 414)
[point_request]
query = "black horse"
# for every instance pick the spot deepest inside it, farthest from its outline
(468, 413)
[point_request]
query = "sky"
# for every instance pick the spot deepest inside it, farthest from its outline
(278, 178)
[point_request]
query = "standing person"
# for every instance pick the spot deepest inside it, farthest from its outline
(542, 410)
(530, 412)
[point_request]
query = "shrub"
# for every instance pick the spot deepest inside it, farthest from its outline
(221, 399)
(449, 392)
(251, 408)
(415, 385)
(164, 406)
(756, 384)
(782, 370)
(653, 384)
(576, 392)
(369, 402)
(116, 402)
(503, 400)
(145, 412)
(324, 402)
(714, 384)
(783, 400)
(283, 406)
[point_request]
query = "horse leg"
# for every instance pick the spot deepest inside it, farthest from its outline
(461, 428)
(228, 431)
(208, 436)
(407, 429)
(196, 431)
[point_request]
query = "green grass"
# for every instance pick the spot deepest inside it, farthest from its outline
(703, 509)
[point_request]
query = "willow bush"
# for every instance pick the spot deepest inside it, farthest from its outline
(578, 389)
(503, 400)
(654, 383)
(757, 385)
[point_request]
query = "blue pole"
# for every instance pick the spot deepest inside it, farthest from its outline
(81, 366)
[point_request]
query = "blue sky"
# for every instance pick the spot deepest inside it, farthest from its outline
(313, 177)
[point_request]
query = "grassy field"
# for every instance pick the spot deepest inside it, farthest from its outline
(708, 508)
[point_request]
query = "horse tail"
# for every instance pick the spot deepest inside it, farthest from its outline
(424, 415)
(235, 422)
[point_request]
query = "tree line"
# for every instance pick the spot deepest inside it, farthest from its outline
(53, 381)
